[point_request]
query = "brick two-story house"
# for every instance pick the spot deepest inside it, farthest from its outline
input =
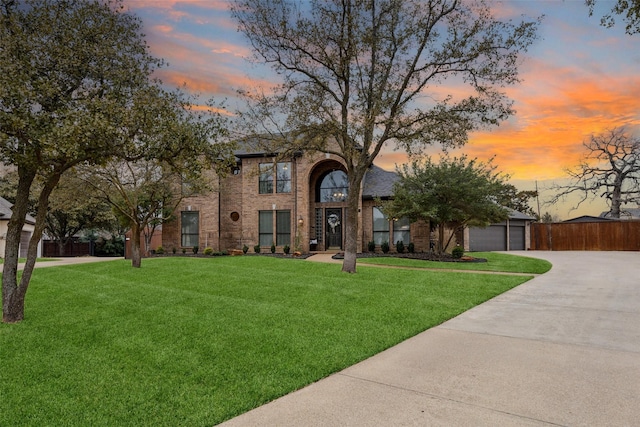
(301, 202)
(298, 201)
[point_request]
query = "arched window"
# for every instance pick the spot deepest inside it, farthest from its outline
(333, 187)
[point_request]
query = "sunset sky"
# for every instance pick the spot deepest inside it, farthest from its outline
(577, 79)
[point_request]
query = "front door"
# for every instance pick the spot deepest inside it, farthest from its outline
(333, 226)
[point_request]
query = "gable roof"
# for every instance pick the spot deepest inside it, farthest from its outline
(514, 214)
(6, 213)
(588, 218)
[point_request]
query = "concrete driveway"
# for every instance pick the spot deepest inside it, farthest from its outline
(561, 349)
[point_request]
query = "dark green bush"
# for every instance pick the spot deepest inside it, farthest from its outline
(110, 247)
(411, 247)
(286, 249)
(173, 250)
(371, 246)
(208, 251)
(245, 249)
(385, 247)
(160, 250)
(184, 251)
(457, 252)
(273, 248)
(195, 249)
(256, 249)
(400, 246)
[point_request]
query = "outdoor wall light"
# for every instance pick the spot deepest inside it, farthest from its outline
(300, 221)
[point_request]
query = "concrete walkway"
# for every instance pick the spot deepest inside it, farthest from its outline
(57, 262)
(561, 349)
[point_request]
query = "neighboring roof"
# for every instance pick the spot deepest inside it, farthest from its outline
(5, 212)
(588, 218)
(378, 183)
(514, 214)
(625, 213)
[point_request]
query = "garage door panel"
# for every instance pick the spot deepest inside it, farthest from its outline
(517, 238)
(492, 238)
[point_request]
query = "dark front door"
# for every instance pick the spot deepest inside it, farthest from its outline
(333, 218)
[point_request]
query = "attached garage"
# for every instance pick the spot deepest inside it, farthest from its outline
(510, 235)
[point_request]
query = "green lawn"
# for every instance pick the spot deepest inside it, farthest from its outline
(197, 341)
(495, 262)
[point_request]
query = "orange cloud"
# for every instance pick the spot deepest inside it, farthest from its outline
(557, 111)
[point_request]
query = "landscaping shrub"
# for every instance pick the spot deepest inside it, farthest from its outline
(173, 250)
(371, 246)
(385, 247)
(286, 249)
(208, 251)
(195, 250)
(160, 250)
(184, 251)
(256, 249)
(411, 248)
(457, 252)
(400, 246)
(273, 248)
(110, 247)
(245, 249)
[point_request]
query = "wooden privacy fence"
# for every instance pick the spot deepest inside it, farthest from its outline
(586, 236)
(51, 249)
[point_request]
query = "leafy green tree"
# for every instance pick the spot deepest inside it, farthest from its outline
(360, 74)
(628, 9)
(168, 153)
(69, 212)
(518, 200)
(455, 192)
(68, 69)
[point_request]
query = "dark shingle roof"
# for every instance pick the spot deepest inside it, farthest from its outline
(514, 214)
(378, 183)
(5, 212)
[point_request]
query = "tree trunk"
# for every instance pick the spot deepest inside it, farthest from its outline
(136, 260)
(441, 247)
(616, 199)
(13, 294)
(351, 225)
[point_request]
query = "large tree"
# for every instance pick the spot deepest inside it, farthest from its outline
(68, 69)
(629, 10)
(360, 74)
(453, 192)
(610, 168)
(169, 149)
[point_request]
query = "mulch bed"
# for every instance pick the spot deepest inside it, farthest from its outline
(425, 256)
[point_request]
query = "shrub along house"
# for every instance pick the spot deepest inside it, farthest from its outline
(298, 201)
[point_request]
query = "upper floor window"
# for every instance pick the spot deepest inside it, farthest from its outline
(334, 187)
(282, 177)
(266, 178)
